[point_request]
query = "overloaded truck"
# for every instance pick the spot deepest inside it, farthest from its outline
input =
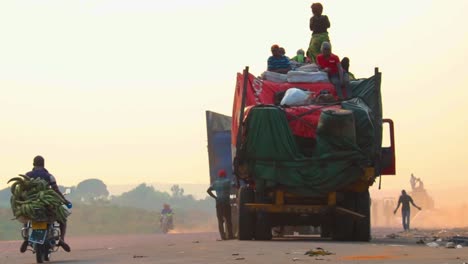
(303, 165)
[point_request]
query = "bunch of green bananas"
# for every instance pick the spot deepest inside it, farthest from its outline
(33, 199)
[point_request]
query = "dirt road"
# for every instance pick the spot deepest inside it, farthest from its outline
(204, 248)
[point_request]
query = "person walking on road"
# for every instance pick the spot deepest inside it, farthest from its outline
(405, 200)
(222, 186)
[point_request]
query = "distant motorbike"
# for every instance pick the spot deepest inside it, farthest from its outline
(166, 223)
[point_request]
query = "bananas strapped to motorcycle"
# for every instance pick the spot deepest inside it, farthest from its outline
(32, 199)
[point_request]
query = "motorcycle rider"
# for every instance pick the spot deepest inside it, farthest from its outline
(39, 171)
(168, 212)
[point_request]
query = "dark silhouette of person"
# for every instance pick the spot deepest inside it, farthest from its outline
(405, 200)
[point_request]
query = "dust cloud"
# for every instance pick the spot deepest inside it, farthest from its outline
(436, 212)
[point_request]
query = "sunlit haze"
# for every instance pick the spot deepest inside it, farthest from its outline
(117, 89)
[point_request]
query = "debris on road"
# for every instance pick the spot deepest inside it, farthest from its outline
(235, 254)
(459, 246)
(138, 256)
(196, 241)
(461, 240)
(295, 259)
(450, 245)
(432, 244)
(318, 252)
(239, 258)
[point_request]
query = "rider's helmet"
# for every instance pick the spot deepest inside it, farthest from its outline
(166, 206)
(38, 161)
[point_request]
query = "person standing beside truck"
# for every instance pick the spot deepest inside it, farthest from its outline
(405, 200)
(222, 186)
(318, 25)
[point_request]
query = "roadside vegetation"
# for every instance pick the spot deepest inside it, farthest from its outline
(135, 212)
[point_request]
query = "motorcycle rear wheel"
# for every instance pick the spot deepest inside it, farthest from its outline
(40, 253)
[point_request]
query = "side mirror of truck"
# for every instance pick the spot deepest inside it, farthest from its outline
(388, 166)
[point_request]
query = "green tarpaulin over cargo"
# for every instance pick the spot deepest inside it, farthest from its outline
(275, 159)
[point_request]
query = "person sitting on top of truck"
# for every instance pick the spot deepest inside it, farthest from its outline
(318, 25)
(283, 52)
(300, 57)
(330, 63)
(277, 62)
(345, 64)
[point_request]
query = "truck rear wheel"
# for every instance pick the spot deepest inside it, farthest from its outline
(246, 218)
(363, 226)
(263, 227)
(343, 229)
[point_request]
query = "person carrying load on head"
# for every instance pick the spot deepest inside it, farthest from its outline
(318, 25)
(278, 62)
(222, 186)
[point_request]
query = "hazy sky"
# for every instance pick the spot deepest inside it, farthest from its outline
(117, 89)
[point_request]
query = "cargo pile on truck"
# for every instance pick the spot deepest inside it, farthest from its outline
(309, 164)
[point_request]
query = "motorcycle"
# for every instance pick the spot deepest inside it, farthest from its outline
(166, 223)
(43, 237)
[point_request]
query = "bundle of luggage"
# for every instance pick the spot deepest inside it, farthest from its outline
(308, 73)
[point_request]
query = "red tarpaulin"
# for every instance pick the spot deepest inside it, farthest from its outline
(262, 92)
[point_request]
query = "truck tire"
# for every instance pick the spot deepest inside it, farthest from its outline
(263, 227)
(246, 218)
(362, 230)
(343, 229)
(325, 230)
(263, 223)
